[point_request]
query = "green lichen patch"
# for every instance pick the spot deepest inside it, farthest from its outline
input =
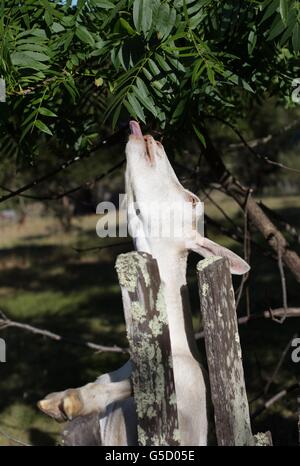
(128, 267)
(176, 435)
(156, 326)
(138, 311)
(204, 289)
(142, 436)
(262, 439)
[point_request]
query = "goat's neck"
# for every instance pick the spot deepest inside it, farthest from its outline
(172, 267)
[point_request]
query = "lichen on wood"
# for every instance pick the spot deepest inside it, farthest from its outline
(149, 341)
(223, 350)
(127, 266)
(263, 439)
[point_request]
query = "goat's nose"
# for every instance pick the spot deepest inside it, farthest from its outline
(135, 129)
(150, 149)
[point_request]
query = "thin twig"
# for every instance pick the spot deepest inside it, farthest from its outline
(264, 158)
(274, 399)
(56, 197)
(5, 322)
(236, 236)
(221, 210)
(265, 140)
(13, 439)
(283, 287)
(279, 364)
(63, 166)
(291, 229)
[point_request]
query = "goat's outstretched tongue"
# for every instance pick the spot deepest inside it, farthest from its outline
(135, 129)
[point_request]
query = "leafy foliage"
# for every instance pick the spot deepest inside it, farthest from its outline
(71, 70)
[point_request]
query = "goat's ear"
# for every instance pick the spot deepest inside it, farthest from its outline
(206, 247)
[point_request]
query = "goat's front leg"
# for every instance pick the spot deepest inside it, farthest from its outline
(93, 397)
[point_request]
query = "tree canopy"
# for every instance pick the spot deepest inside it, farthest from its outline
(73, 70)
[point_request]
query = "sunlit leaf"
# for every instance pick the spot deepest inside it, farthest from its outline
(42, 127)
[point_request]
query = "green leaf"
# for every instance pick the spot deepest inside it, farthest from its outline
(179, 109)
(116, 116)
(210, 74)
(57, 27)
(66, 39)
(199, 136)
(247, 86)
(22, 60)
(252, 38)
(166, 18)
(42, 127)
(34, 47)
(35, 32)
(136, 107)
(84, 35)
(37, 56)
(129, 108)
(283, 9)
(277, 28)
(25, 131)
(105, 4)
(199, 67)
(48, 18)
(29, 117)
(296, 37)
(197, 19)
(46, 112)
(270, 10)
(143, 95)
(127, 27)
(292, 19)
(153, 67)
(142, 15)
(70, 90)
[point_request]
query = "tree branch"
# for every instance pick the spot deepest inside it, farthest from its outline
(280, 362)
(274, 399)
(114, 138)
(5, 323)
(13, 439)
(258, 218)
(250, 148)
(56, 197)
(292, 230)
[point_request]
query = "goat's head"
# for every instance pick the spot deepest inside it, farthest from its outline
(150, 179)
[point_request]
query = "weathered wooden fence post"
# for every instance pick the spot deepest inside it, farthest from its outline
(223, 350)
(149, 341)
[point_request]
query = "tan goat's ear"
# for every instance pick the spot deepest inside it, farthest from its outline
(206, 247)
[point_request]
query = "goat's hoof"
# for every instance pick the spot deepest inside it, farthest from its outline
(62, 406)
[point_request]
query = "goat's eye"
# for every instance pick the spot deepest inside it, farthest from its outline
(159, 144)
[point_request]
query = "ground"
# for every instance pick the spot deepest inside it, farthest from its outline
(45, 282)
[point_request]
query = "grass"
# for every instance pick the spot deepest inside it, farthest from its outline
(46, 283)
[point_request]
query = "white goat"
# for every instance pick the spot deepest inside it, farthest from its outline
(150, 177)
